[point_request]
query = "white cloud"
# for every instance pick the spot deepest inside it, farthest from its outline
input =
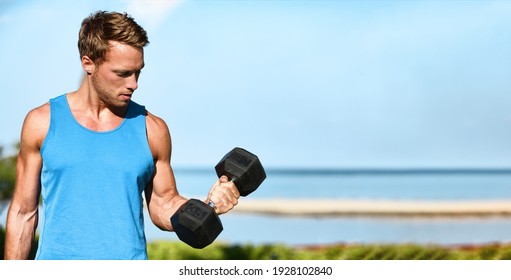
(151, 13)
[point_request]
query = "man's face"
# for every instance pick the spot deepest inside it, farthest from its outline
(116, 78)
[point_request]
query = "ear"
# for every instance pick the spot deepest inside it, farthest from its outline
(88, 65)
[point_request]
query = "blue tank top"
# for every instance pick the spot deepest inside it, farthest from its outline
(92, 184)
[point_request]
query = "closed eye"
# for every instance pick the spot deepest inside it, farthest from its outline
(124, 74)
(127, 74)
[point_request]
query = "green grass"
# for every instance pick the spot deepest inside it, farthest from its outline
(174, 250)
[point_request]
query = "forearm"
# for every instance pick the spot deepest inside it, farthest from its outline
(161, 214)
(20, 231)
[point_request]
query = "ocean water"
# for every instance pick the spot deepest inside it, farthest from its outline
(357, 184)
(426, 184)
(363, 184)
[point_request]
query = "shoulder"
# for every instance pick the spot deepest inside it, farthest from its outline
(38, 116)
(156, 125)
(158, 135)
(37, 123)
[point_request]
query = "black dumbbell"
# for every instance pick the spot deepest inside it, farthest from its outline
(197, 223)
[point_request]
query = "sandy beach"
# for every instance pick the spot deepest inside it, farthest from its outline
(334, 207)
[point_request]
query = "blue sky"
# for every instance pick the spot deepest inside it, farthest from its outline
(300, 83)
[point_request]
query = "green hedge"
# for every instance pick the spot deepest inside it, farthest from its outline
(163, 250)
(166, 250)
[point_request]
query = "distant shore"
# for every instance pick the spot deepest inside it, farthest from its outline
(365, 207)
(341, 207)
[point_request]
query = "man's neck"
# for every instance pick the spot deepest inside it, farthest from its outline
(92, 112)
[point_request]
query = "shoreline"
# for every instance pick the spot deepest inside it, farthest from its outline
(383, 208)
(320, 207)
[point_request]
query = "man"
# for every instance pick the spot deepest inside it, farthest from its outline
(91, 154)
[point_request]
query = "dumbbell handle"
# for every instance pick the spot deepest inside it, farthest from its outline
(211, 203)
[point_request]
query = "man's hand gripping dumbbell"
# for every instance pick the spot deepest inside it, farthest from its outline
(196, 223)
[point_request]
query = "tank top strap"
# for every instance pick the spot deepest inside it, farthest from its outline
(62, 117)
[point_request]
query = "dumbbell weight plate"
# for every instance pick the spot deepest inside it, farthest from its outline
(196, 224)
(244, 168)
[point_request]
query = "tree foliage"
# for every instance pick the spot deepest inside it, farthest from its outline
(7, 174)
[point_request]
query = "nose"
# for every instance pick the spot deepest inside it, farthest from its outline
(132, 82)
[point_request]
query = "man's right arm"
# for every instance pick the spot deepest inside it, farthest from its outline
(23, 212)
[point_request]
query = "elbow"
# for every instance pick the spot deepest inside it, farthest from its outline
(22, 214)
(160, 222)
